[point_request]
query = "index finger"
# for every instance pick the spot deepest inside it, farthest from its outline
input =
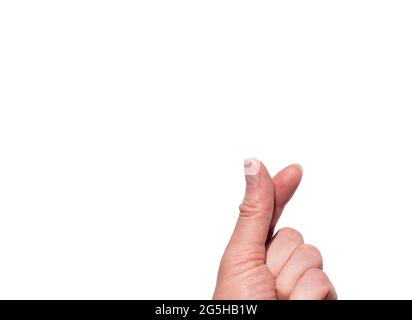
(285, 183)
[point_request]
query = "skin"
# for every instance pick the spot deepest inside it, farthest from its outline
(258, 265)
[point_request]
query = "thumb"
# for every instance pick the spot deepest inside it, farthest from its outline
(255, 214)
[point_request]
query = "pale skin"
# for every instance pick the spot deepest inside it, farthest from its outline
(259, 265)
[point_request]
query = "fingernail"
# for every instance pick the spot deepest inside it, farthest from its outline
(252, 167)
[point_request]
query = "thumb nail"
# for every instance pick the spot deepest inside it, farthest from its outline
(252, 167)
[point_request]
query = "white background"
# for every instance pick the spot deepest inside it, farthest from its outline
(124, 124)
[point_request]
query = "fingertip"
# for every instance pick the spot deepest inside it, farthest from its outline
(299, 167)
(285, 182)
(256, 173)
(290, 175)
(292, 172)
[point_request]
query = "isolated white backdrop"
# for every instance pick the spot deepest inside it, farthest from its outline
(124, 124)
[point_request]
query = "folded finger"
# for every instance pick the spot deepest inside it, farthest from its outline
(303, 258)
(313, 285)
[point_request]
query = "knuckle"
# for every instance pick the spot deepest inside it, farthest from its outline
(312, 252)
(323, 285)
(252, 208)
(316, 273)
(291, 234)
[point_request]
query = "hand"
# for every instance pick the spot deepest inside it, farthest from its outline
(256, 265)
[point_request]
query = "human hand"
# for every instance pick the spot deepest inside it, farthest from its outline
(256, 265)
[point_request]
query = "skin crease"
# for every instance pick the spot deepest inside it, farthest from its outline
(258, 265)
